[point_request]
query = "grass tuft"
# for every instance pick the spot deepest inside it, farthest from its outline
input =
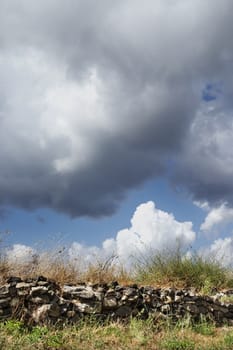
(172, 268)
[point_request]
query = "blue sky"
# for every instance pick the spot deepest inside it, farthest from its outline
(116, 126)
(31, 228)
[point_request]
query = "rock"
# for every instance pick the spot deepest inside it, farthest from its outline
(123, 311)
(5, 302)
(43, 300)
(14, 280)
(78, 292)
(110, 303)
(165, 309)
(90, 309)
(5, 291)
(38, 291)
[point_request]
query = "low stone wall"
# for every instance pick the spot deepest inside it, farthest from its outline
(41, 301)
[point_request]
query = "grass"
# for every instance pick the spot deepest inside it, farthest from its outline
(172, 268)
(167, 268)
(135, 335)
(62, 270)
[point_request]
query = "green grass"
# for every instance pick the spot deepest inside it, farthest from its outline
(173, 343)
(136, 335)
(173, 268)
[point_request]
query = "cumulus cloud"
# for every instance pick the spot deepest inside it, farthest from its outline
(97, 98)
(221, 250)
(216, 217)
(151, 230)
(20, 254)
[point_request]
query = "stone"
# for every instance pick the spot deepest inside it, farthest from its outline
(43, 301)
(24, 285)
(78, 292)
(13, 280)
(165, 309)
(5, 302)
(110, 303)
(54, 311)
(123, 311)
(15, 302)
(5, 291)
(38, 290)
(91, 308)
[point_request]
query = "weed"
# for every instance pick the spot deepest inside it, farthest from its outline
(37, 334)
(177, 344)
(172, 268)
(205, 327)
(14, 327)
(228, 339)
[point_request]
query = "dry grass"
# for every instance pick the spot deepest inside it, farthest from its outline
(166, 269)
(56, 266)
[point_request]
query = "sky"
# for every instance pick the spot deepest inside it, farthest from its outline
(116, 126)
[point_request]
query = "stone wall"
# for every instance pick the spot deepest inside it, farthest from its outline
(41, 301)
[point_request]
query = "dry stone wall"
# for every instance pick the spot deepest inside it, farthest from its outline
(42, 301)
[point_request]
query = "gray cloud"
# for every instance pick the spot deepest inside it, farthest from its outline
(95, 99)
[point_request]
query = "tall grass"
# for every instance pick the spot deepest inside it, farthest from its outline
(173, 268)
(57, 266)
(167, 268)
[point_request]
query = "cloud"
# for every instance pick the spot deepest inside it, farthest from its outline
(20, 254)
(205, 166)
(216, 217)
(151, 230)
(221, 250)
(96, 99)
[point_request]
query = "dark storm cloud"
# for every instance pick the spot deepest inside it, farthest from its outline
(97, 98)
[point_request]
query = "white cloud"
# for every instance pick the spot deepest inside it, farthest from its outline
(20, 254)
(151, 229)
(202, 205)
(220, 250)
(217, 217)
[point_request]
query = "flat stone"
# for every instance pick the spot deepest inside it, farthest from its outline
(40, 300)
(23, 292)
(5, 291)
(78, 292)
(14, 280)
(91, 308)
(5, 302)
(192, 308)
(110, 303)
(123, 311)
(5, 313)
(54, 311)
(37, 291)
(24, 285)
